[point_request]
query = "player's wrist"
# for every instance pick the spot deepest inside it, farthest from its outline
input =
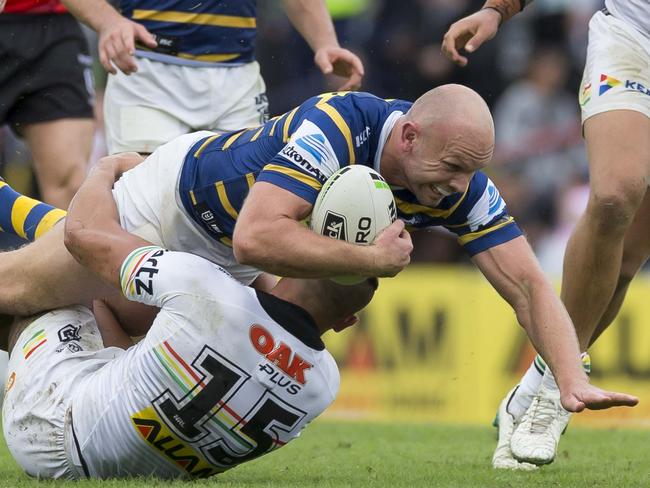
(506, 8)
(571, 381)
(493, 11)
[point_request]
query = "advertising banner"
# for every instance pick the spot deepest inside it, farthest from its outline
(439, 344)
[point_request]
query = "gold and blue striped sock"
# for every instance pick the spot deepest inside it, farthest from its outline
(24, 216)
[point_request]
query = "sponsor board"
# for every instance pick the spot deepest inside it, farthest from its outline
(439, 344)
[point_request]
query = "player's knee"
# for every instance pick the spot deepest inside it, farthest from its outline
(612, 210)
(59, 188)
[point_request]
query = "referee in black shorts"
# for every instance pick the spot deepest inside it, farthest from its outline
(46, 92)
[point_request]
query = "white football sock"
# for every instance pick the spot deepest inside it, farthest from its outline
(549, 380)
(528, 387)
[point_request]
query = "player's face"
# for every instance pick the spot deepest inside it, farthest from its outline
(435, 170)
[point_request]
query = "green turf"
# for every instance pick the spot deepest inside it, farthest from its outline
(333, 454)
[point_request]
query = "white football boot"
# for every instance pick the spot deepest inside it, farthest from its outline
(506, 423)
(536, 437)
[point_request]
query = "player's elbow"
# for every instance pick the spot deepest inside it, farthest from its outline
(247, 247)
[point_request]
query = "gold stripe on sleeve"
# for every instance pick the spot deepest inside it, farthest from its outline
(302, 177)
(475, 235)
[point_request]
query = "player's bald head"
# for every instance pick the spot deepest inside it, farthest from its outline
(458, 116)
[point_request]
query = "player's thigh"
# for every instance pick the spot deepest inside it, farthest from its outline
(616, 110)
(146, 109)
(51, 354)
(43, 275)
(238, 98)
(618, 147)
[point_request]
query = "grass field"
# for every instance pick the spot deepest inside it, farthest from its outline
(352, 454)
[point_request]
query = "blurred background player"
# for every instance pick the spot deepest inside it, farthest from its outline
(179, 66)
(611, 241)
(225, 374)
(46, 92)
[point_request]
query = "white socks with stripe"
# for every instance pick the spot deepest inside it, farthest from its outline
(532, 380)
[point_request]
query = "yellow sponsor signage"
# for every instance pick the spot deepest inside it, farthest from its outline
(440, 344)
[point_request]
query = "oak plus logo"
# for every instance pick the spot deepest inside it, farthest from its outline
(279, 353)
(334, 226)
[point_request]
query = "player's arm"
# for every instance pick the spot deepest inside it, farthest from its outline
(514, 272)
(312, 19)
(470, 32)
(113, 335)
(117, 34)
(92, 229)
(269, 236)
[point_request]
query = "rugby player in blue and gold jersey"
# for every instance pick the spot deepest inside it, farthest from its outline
(184, 65)
(237, 199)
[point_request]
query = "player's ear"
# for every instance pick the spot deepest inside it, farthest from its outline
(344, 323)
(410, 132)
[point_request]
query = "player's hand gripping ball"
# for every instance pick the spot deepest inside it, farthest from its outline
(354, 205)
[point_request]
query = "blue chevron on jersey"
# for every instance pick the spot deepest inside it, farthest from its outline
(300, 149)
(310, 150)
(197, 32)
(315, 145)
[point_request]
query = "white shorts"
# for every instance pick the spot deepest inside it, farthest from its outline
(50, 358)
(162, 101)
(617, 69)
(149, 206)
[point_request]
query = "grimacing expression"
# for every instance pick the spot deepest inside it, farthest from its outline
(435, 170)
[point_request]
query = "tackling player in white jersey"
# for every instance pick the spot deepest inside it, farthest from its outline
(611, 241)
(224, 375)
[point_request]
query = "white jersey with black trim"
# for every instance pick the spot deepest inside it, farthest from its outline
(224, 375)
(634, 12)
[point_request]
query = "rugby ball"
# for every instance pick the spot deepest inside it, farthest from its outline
(354, 205)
